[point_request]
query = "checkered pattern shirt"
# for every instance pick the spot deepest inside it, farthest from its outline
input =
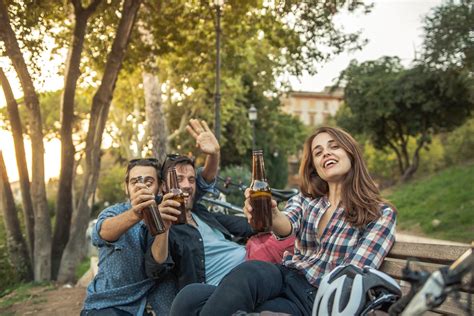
(340, 244)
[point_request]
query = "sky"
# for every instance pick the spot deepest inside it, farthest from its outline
(393, 28)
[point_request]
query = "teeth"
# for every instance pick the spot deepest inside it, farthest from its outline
(329, 162)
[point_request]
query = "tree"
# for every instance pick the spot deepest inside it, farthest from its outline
(390, 104)
(18, 251)
(17, 131)
(42, 227)
(448, 39)
(64, 202)
(99, 112)
(262, 40)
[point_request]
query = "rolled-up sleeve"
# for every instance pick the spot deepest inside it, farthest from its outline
(202, 187)
(376, 241)
(157, 270)
(294, 211)
(96, 239)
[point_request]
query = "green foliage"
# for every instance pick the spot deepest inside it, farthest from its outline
(83, 267)
(390, 105)
(111, 185)
(8, 276)
(441, 205)
(240, 174)
(459, 145)
(22, 292)
(448, 38)
(382, 164)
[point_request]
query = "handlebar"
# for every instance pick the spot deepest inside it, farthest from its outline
(279, 195)
(429, 291)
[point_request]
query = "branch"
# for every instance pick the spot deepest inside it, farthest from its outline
(182, 126)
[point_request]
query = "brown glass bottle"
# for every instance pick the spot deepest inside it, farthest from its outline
(260, 195)
(173, 187)
(152, 217)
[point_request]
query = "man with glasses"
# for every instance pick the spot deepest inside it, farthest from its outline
(201, 251)
(121, 286)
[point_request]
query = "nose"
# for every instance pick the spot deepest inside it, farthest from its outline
(185, 184)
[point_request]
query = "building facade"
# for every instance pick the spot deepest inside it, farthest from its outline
(313, 108)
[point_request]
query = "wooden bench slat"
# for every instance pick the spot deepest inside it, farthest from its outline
(443, 254)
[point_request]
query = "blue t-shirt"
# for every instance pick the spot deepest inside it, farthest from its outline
(221, 255)
(121, 281)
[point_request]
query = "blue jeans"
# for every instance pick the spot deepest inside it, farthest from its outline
(253, 286)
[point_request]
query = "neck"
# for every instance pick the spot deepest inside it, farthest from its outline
(334, 195)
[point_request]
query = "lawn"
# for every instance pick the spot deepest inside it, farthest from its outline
(439, 206)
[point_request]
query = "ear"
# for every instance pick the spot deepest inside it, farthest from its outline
(126, 189)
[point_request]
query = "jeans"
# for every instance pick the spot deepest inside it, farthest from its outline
(253, 286)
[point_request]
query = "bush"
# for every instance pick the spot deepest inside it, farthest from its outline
(459, 144)
(238, 174)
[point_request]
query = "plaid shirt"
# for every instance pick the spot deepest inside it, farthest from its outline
(340, 244)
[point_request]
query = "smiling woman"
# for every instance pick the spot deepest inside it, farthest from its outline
(52, 156)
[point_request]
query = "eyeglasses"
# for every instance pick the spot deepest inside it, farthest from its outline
(134, 161)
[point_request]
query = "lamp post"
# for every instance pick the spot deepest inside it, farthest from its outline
(252, 119)
(217, 107)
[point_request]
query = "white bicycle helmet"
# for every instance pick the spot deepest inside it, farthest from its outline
(350, 290)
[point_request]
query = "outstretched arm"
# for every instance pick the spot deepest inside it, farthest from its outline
(114, 227)
(208, 144)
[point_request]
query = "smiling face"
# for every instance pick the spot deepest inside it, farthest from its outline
(330, 160)
(187, 182)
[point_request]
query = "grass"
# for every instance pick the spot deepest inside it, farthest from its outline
(21, 293)
(82, 268)
(441, 206)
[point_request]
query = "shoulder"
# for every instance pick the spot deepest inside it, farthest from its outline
(387, 210)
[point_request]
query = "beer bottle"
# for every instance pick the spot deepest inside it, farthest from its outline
(173, 187)
(260, 195)
(152, 217)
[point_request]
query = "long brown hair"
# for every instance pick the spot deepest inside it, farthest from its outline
(360, 196)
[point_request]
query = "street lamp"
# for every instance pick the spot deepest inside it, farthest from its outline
(217, 107)
(252, 119)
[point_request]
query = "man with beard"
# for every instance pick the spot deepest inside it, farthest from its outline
(121, 286)
(201, 250)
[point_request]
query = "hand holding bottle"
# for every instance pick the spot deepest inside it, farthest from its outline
(169, 210)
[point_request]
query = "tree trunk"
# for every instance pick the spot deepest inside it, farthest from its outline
(42, 247)
(154, 116)
(64, 200)
(411, 169)
(17, 249)
(17, 132)
(74, 250)
(157, 126)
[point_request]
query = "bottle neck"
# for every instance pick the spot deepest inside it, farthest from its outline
(173, 179)
(258, 168)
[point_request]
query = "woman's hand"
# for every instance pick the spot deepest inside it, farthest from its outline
(169, 210)
(248, 207)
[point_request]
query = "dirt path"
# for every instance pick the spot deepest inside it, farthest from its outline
(47, 300)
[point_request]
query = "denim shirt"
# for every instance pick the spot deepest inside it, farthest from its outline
(121, 281)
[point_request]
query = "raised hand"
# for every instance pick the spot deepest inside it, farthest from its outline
(205, 139)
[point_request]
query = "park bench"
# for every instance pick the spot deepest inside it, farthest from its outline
(429, 257)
